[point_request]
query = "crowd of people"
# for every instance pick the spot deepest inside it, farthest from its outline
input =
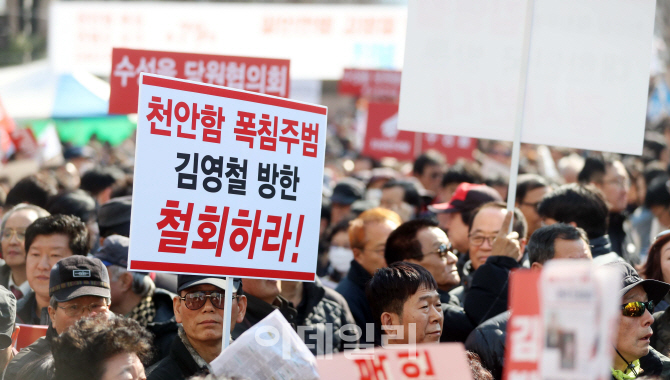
(408, 254)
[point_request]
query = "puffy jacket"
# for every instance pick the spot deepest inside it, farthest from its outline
(323, 312)
(487, 296)
(34, 362)
(488, 341)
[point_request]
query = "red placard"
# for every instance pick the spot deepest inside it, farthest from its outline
(453, 147)
(371, 84)
(263, 75)
(524, 327)
(382, 137)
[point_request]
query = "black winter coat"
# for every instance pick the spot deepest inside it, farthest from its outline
(164, 326)
(34, 362)
(178, 365)
(488, 341)
(352, 288)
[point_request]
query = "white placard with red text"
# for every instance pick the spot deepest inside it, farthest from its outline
(423, 361)
(251, 205)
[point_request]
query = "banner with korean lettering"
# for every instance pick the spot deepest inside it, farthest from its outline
(382, 137)
(227, 182)
(423, 361)
(371, 84)
(263, 75)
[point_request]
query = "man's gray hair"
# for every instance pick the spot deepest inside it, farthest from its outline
(23, 206)
(142, 283)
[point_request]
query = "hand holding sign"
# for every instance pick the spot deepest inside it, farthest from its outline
(507, 244)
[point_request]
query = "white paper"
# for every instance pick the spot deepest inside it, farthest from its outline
(587, 78)
(254, 356)
(579, 309)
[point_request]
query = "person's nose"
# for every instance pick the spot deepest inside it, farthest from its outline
(647, 318)
(44, 263)
(208, 307)
(436, 315)
(451, 258)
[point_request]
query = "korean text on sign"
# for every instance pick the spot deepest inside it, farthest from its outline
(263, 75)
(227, 182)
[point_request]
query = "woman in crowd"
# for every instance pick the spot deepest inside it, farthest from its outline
(14, 223)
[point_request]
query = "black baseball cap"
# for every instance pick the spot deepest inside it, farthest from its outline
(656, 290)
(78, 276)
(7, 317)
(185, 281)
(347, 191)
(115, 211)
(114, 251)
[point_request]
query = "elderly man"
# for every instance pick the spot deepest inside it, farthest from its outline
(632, 352)
(134, 295)
(405, 303)
(367, 237)
(422, 242)
(199, 310)
(78, 287)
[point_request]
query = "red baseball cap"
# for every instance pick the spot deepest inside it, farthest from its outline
(467, 197)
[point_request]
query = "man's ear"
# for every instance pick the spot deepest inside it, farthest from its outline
(242, 305)
(176, 303)
(357, 252)
(573, 224)
(126, 281)
(536, 266)
(52, 314)
(522, 245)
(389, 321)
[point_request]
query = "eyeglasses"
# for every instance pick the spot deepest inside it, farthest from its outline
(7, 234)
(443, 250)
(78, 310)
(623, 183)
(196, 300)
(477, 240)
(534, 205)
(636, 309)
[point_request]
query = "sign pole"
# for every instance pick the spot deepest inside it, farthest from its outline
(520, 106)
(227, 311)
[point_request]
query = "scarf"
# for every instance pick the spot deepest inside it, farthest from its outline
(144, 312)
(621, 375)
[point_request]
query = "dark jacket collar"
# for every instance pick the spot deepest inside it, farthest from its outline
(358, 275)
(600, 245)
(179, 353)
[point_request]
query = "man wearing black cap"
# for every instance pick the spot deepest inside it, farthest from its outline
(134, 295)
(199, 310)
(345, 193)
(8, 332)
(633, 354)
(79, 287)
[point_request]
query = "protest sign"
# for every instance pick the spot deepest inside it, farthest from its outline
(270, 349)
(371, 84)
(263, 75)
(587, 71)
(382, 138)
(423, 361)
(544, 339)
(227, 182)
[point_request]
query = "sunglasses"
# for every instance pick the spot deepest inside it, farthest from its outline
(636, 309)
(196, 300)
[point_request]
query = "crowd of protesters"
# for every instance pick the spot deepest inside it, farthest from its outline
(409, 253)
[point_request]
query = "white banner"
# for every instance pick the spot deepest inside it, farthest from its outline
(320, 40)
(587, 79)
(225, 182)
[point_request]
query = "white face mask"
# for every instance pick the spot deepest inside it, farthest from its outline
(340, 258)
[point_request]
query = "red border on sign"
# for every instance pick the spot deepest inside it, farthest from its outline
(227, 93)
(224, 271)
